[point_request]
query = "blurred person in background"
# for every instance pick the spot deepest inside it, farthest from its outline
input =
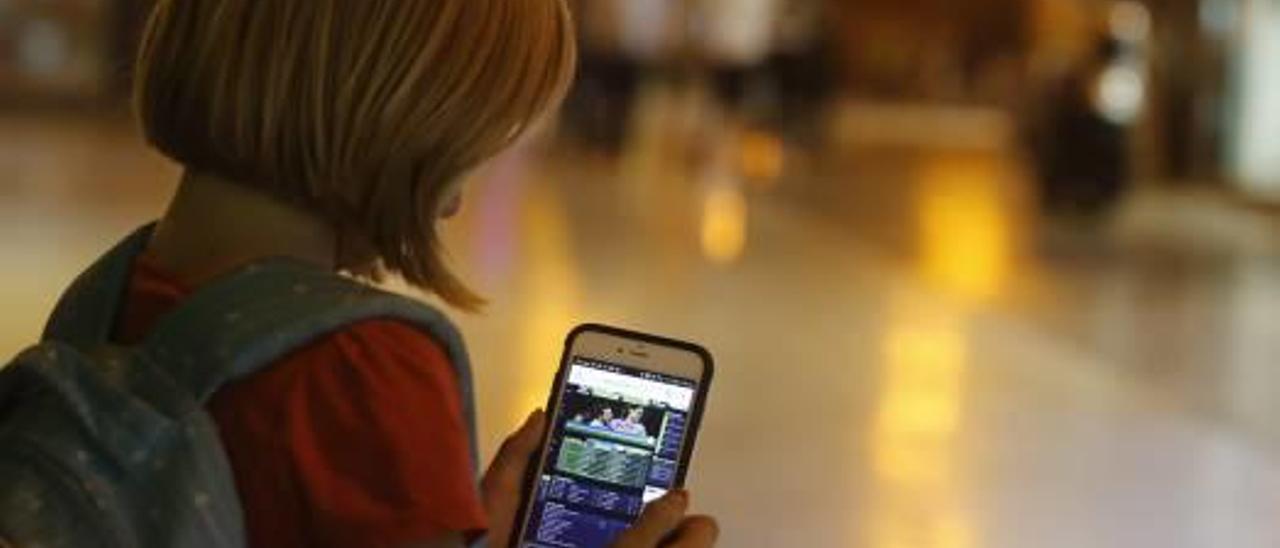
(1082, 146)
(602, 94)
(737, 38)
(801, 68)
(337, 134)
(623, 42)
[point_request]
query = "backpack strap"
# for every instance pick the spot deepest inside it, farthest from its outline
(250, 319)
(260, 313)
(244, 321)
(86, 313)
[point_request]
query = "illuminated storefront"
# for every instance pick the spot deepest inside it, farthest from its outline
(1253, 120)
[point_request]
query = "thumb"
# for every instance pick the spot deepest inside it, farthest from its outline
(509, 464)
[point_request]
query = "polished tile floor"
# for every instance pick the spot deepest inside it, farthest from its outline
(908, 358)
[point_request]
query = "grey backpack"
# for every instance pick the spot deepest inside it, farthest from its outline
(110, 446)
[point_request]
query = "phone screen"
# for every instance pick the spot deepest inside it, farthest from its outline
(615, 445)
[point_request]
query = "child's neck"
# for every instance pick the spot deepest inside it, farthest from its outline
(214, 225)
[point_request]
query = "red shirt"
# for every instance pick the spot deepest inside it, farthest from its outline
(358, 439)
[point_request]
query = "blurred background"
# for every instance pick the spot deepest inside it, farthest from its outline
(983, 273)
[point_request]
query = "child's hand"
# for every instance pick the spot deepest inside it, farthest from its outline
(502, 483)
(664, 523)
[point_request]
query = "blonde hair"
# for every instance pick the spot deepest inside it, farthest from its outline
(367, 112)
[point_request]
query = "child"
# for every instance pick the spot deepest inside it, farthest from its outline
(337, 132)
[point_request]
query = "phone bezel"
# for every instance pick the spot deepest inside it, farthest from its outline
(640, 351)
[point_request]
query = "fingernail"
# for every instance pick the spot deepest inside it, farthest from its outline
(681, 496)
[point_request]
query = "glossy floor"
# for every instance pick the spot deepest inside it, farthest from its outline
(908, 357)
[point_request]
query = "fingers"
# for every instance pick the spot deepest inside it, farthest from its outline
(696, 532)
(507, 470)
(524, 441)
(501, 486)
(659, 519)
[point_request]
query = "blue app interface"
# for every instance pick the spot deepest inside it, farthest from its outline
(615, 445)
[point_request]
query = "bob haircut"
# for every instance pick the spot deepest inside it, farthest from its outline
(366, 112)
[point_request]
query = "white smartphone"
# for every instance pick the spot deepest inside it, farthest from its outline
(623, 416)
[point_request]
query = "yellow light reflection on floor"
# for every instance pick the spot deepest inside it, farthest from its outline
(724, 224)
(550, 291)
(915, 434)
(965, 227)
